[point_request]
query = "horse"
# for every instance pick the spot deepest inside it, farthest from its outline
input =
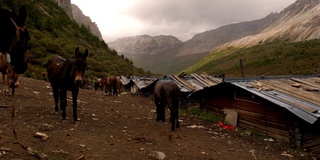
(14, 37)
(67, 74)
(111, 85)
(167, 93)
(98, 84)
(86, 83)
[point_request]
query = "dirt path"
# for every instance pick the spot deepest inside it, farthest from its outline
(120, 128)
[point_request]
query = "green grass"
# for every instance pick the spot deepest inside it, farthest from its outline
(275, 58)
(202, 114)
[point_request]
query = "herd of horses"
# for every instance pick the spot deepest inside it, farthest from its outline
(111, 85)
(67, 74)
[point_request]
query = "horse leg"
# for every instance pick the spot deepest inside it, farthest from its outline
(172, 119)
(7, 81)
(115, 91)
(74, 101)
(174, 113)
(4, 82)
(56, 95)
(63, 102)
(158, 111)
(163, 112)
(177, 119)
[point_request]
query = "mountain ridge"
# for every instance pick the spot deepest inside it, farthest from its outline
(298, 22)
(144, 44)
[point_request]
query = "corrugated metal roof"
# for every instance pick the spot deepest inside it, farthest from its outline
(299, 95)
(124, 80)
(143, 82)
(195, 82)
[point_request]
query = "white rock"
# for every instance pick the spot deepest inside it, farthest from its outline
(157, 155)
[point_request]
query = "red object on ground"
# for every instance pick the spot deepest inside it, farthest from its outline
(228, 127)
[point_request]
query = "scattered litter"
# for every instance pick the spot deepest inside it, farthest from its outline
(5, 149)
(269, 139)
(40, 135)
(195, 126)
(35, 92)
(284, 153)
(157, 155)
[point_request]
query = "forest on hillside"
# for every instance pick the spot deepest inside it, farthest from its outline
(53, 33)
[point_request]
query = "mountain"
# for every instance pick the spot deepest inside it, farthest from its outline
(74, 12)
(288, 45)
(81, 19)
(298, 22)
(144, 44)
(66, 5)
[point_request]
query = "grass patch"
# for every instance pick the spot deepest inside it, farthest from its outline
(202, 114)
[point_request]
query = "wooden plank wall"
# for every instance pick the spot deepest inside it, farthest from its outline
(253, 114)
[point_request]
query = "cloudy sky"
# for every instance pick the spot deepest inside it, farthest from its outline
(180, 18)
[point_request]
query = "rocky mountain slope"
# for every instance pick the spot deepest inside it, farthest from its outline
(298, 22)
(144, 44)
(82, 19)
(74, 12)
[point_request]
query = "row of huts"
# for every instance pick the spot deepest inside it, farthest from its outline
(283, 107)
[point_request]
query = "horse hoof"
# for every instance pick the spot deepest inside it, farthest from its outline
(64, 121)
(16, 85)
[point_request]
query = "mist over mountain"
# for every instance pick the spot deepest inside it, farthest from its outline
(298, 22)
(144, 44)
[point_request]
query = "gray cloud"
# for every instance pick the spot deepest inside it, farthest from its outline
(180, 18)
(184, 18)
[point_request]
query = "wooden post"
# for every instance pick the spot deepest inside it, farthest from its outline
(241, 68)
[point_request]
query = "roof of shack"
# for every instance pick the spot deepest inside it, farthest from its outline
(298, 94)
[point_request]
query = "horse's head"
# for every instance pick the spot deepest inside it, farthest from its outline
(12, 28)
(80, 66)
(14, 36)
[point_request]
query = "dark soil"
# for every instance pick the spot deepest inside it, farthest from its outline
(122, 127)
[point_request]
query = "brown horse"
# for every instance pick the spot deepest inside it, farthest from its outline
(67, 74)
(111, 85)
(167, 93)
(98, 84)
(14, 37)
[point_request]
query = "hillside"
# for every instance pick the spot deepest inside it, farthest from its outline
(275, 58)
(54, 33)
(288, 45)
(297, 23)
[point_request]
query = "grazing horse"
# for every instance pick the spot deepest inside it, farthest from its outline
(14, 37)
(67, 74)
(167, 93)
(98, 84)
(111, 85)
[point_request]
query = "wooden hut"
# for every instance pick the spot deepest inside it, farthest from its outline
(285, 108)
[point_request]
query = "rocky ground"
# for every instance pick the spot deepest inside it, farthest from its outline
(122, 127)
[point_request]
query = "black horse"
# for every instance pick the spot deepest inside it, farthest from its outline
(14, 37)
(67, 74)
(167, 93)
